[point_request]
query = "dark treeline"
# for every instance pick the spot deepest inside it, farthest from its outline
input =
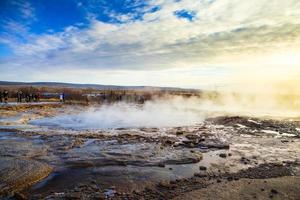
(87, 95)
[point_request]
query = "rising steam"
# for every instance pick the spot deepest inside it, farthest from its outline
(175, 111)
(249, 94)
(158, 113)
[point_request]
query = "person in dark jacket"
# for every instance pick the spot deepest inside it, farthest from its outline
(1, 97)
(19, 96)
(5, 96)
(27, 97)
(38, 96)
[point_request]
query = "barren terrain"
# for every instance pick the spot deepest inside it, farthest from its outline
(221, 157)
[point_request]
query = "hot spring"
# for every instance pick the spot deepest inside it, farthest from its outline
(123, 115)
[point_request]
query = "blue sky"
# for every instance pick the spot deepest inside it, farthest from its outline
(182, 43)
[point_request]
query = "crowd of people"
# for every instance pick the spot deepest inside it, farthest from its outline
(20, 97)
(3, 96)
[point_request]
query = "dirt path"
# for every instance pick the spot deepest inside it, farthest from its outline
(275, 188)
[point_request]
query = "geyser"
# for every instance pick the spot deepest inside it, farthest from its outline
(158, 113)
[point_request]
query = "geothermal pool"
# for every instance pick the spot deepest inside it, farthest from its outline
(123, 149)
(125, 116)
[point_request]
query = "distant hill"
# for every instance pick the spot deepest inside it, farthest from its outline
(93, 86)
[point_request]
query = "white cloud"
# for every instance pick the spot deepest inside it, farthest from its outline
(223, 33)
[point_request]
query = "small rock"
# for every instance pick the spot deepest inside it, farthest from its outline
(179, 133)
(19, 196)
(164, 184)
(192, 137)
(203, 168)
(94, 186)
(200, 175)
(273, 191)
(169, 142)
(161, 164)
(223, 155)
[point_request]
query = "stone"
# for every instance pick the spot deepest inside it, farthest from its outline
(273, 191)
(18, 173)
(223, 155)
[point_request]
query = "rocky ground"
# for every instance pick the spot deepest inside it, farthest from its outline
(228, 157)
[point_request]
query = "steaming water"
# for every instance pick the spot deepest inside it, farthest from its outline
(170, 112)
(122, 115)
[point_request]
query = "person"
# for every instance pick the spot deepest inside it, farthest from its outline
(38, 96)
(34, 97)
(19, 95)
(62, 97)
(1, 96)
(27, 97)
(5, 95)
(30, 97)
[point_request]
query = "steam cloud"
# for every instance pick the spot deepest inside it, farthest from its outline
(176, 111)
(158, 113)
(250, 94)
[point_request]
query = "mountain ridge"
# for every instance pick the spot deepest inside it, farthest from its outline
(93, 86)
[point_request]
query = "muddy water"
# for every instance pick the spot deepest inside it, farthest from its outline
(130, 166)
(131, 159)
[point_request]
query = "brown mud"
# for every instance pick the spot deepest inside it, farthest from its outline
(236, 156)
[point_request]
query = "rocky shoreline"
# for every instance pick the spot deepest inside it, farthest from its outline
(220, 153)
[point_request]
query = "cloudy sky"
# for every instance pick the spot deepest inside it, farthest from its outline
(180, 43)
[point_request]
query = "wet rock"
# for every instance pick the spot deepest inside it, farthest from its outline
(74, 195)
(244, 160)
(265, 171)
(161, 165)
(279, 126)
(166, 184)
(110, 192)
(17, 173)
(200, 175)
(284, 141)
(179, 133)
(223, 155)
(20, 196)
(192, 137)
(169, 142)
(216, 145)
(191, 145)
(94, 187)
(273, 191)
(187, 142)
